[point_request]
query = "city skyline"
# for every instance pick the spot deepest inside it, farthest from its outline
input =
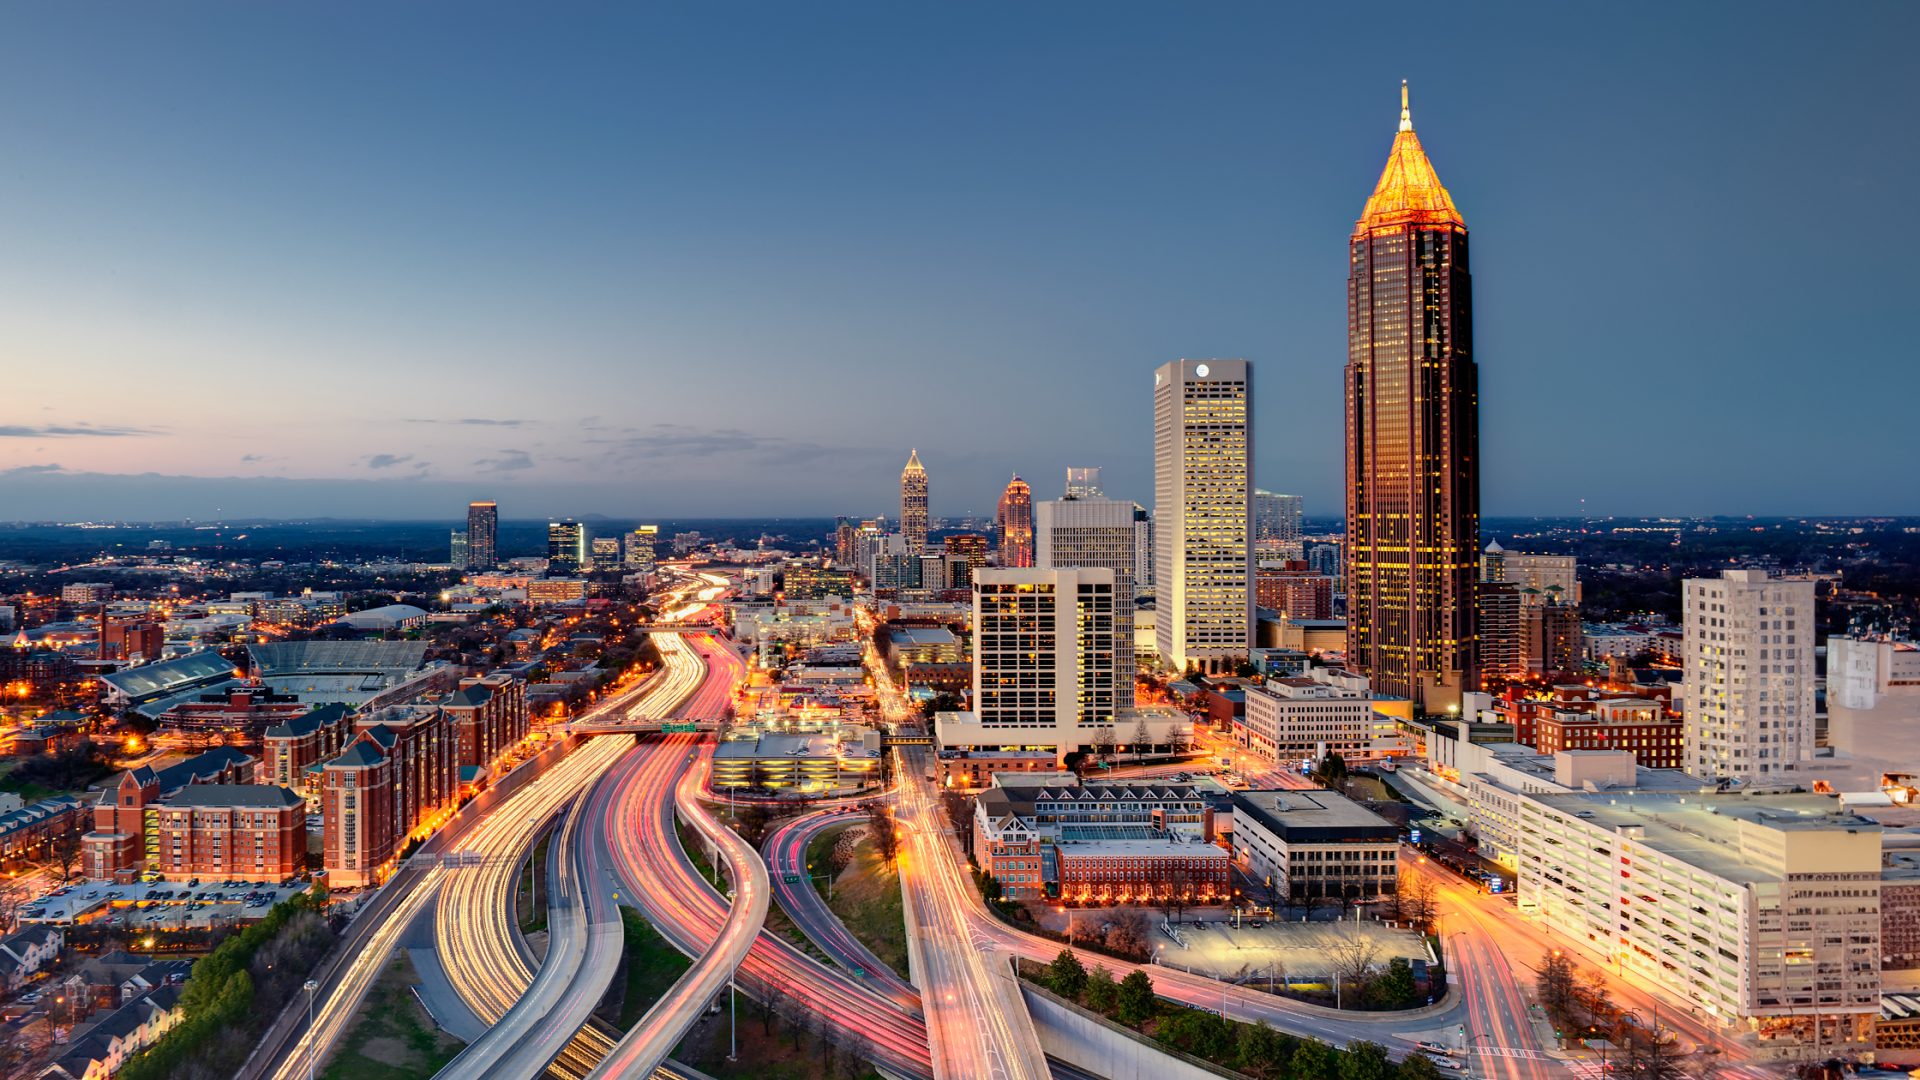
(228, 270)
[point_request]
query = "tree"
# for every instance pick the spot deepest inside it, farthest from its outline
(1652, 1055)
(13, 897)
(1101, 993)
(772, 1004)
(1353, 957)
(65, 855)
(752, 824)
(1394, 988)
(1103, 743)
(1066, 975)
(885, 840)
(859, 1051)
(1413, 898)
(1259, 1048)
(1180, 741)
(1554, 984)
(1311, 1060)
(1332, 771)
(1419, 1067)
(1596, 998)
(1142, 739)
(1135, 999)
(1365, 1060)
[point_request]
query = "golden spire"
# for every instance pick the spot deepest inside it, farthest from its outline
(913, 462)
(1409, 192)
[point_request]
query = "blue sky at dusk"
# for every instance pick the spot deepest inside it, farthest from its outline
(737, 259)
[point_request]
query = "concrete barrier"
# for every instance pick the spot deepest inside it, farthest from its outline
(1090, 1042)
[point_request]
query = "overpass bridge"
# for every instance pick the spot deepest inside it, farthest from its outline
(645, 725)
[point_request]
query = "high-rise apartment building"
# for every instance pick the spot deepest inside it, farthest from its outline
(1294, 591)
(1276, 518)
(1046, 651)
(566, 547)
(1413, 429)
(1551, 639)
(457, 554)
(1083, 482)
(1093, 532)
(642, 549)
(1502, 644)
(483, 535)
(913, 504)
(1747, 682)
(1016, 524)
(1203, 496)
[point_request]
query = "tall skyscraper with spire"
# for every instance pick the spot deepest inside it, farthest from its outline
(1016, 524)
(913, 504)
(1413, 433)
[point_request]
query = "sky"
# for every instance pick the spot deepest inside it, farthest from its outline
(737, 259)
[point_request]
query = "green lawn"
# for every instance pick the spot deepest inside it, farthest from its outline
(867, 898)
(652, 967)
(393, 1038)
(531, 897)
(763, 1056)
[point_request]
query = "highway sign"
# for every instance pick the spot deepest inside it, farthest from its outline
(791, 879)
(686, 727)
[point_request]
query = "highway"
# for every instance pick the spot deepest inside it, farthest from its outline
(976, 1017)
(658, 877)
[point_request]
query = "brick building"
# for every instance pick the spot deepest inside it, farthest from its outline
(1636, 725)
(291, 751)
(1049, 836)
(357, 814)
(125, 840)
(488, 715)
(232, 832)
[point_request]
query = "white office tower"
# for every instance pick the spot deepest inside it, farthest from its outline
(1276, 518)
(1203, 488)
(1747, 684)
(1046, 653)
(1089, 532)
(1084, 482)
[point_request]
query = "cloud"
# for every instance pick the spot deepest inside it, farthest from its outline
(387, 461)
(471, 421)
(32, 470)
(675, 440)
(60, 431)
(508, 461)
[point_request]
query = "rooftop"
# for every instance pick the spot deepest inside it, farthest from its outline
(262, 795)
(1707, 830)
(1312, 815)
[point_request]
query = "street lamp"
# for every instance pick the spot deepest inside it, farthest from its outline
(310, 987)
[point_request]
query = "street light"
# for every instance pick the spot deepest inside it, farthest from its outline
(310, 987)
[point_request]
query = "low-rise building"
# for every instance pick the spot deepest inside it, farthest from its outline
(1329, 710)
(1050, 836)
(1305, 845)
(26, 951)
(1637, 725)
(232, 832)
(836, 761)
(125, 840)
(98, 1051)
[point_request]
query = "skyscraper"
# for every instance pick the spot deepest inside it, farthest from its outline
(1747, 680)
(641, 550)
(457, 549)
(1094, 532)
(913, 504)
(1083, 482)
(1203, 502)
(971, 550)
(483, 531)
(1413, 429)
(566, 547)
(1016, 524)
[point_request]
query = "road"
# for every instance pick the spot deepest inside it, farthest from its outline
(976, 1018)
(786, 852)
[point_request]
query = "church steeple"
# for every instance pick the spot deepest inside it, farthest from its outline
(1409, 192)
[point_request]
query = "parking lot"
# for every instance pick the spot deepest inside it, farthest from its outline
(1302, 951)
(159, 905)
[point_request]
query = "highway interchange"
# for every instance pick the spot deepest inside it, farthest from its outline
(613, 804)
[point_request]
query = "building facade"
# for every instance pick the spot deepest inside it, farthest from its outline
(1413, 424)
(1304, 845)
(567, 551)
(913, 504)
(1276, 518)
(1748, 680)
(1015, 518)
(1090, 532)
(1203, 491)
(483, 535)
(1294, 719)
(1083, 482)
(232, 832)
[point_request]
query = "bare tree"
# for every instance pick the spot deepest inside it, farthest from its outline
(66, 851)
(1103, 744)
(858, 1052)
(1142, 739)
(1180, 741)
(771, 1005)
(1353, 957)
(13, 897)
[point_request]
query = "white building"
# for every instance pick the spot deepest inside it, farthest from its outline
(1759, 911)
(1045, 673)
(1748, 680)
(1203, 495)
(1083, 482)
(1094, 532)
(1291, 719)
(1276, 518)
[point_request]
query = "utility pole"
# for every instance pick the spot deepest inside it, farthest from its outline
(312, 1048)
